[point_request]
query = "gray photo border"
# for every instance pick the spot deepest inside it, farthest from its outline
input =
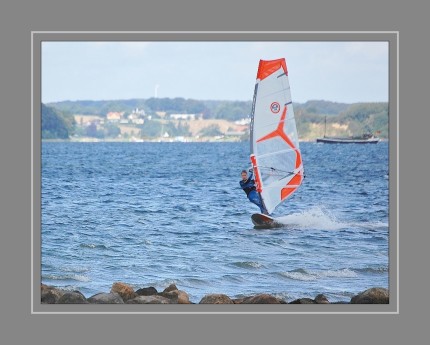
(392, 37)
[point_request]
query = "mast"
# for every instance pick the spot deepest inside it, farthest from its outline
(325, 125)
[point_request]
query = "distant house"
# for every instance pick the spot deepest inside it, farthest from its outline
(183, 116)
(242, 122)
(114, 116)
(139, 112)
(138, 121)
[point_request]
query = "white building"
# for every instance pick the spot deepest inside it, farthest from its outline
(183, 116)
(243, 122)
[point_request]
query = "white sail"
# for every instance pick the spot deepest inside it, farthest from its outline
(275, 152)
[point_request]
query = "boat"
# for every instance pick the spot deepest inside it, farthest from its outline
(275, 154)
(363, 139)
(366, 138)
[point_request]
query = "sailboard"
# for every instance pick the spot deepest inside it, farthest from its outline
(275, 154)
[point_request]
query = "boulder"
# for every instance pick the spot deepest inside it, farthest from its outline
(106, 298)
(125, 291)
(149, 300)
(171, 287)
(375, 295)
(149, 291)
(260, 299)
(171, 295)
(321, 299)
(238, 300)
(176, 296)
(50, 294)
(216, 299)
(303, 301)
(73, 297)
(183, 297)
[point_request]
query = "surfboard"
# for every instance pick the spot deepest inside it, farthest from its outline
(262, 221)
(275, 154)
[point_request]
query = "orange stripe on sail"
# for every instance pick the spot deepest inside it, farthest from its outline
(291, 186)
(279, 131)
(266, 68)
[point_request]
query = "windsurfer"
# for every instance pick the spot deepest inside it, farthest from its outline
(248, 185)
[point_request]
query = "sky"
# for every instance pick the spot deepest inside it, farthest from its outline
(344, 72)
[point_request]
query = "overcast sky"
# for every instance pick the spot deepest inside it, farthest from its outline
(346, 72)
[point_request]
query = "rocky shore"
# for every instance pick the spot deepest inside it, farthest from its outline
(122, 293)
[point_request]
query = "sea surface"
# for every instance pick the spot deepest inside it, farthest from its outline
(152, 214)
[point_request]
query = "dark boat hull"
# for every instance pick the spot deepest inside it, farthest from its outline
(329, 140)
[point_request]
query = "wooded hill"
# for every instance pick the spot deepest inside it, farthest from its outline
(341, 118)
(56, 124)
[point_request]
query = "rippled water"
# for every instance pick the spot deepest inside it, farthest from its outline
(151, 214)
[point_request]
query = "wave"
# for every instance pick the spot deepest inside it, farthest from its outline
(150, 211)
(380, 269)
(298, 276)
(311, 275)
(315, 218)
(75, 269)
(234, 278)
(67, 277)
(248, 264)
(93, 246)
(195, 281)
(321, 218)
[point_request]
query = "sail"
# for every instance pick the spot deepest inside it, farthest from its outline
(275, 153)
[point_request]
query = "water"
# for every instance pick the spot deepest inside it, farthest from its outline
(152, 214)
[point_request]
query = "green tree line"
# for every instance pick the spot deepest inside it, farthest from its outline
(56, 124)
(360, 117)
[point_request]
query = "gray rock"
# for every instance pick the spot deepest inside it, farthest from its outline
(74, 297)
(50, 294)
(149, 300)
(171, 295)
(260, 299)
(149, 291)
(303, 301)
(321, 299)
(106, 298)
(375, 295)
(176, 296)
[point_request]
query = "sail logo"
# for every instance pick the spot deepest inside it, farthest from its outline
(275, 107)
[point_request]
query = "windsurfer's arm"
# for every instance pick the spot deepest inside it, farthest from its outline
(251, 174)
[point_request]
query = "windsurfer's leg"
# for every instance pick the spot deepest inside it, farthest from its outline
(255, 199)
(262, 209)
(259, 203)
